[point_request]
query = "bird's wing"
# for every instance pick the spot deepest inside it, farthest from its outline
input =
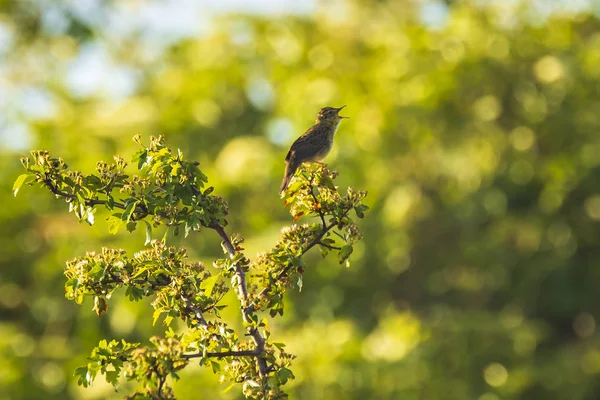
(306, 145)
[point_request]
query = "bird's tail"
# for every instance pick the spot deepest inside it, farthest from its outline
(290, 169)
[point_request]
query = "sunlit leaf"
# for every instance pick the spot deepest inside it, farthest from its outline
(148, 233)
(209, 284)
(19, 182)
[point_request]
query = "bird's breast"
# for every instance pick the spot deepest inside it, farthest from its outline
(328, 143)
(324, 151)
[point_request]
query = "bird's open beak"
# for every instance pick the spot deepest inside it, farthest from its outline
(340, 109)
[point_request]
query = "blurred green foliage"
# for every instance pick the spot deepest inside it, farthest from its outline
(477, 140)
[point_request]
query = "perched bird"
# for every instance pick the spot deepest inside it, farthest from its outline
(314, 144)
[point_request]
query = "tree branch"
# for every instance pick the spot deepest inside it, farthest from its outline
(238, 270)
(198, 313)
(161, 382)
(241, 277)
(221, 354)
(287, 269)
(247, 312)
(89, 202)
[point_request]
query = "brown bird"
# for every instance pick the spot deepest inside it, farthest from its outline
(314, 144)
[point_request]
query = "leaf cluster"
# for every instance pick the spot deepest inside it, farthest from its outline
(312, 193)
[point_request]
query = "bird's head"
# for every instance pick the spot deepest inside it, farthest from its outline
(330, 114)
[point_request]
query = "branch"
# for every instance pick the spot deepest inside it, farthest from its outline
(161, 382)
(243, 295)
(90, 202)
(221, 354)
(284, 272)
(198, 313)
(238, 270)
(330, 247)
(321, 215)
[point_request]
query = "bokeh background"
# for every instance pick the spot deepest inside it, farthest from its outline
(475, 127)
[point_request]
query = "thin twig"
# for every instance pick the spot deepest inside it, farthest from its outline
(198, 313)
(330, 247)
(89, 202)
(312, 193)
(161, 382)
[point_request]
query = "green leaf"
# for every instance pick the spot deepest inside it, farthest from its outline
(208, 284)
(134, 293)
(92, 182)
(131, 226)
(161, 271)
(360, 209)
(201, 177)
(19, 182)
(284, 375)
(175, 167)
(126, 216)
(345, 253)
(148, 233)
(289, 200)
(156, 315)
(75, 284)
(115, 224)
(294, 186)
(83, 377)
(216, 367)
(140, 156)
(97, 272)
(112, 377)
(110, 202)
(328, 241)
(279, 345)
(139, 272)
(315, 191)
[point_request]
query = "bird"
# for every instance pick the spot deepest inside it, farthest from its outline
(314, 145)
